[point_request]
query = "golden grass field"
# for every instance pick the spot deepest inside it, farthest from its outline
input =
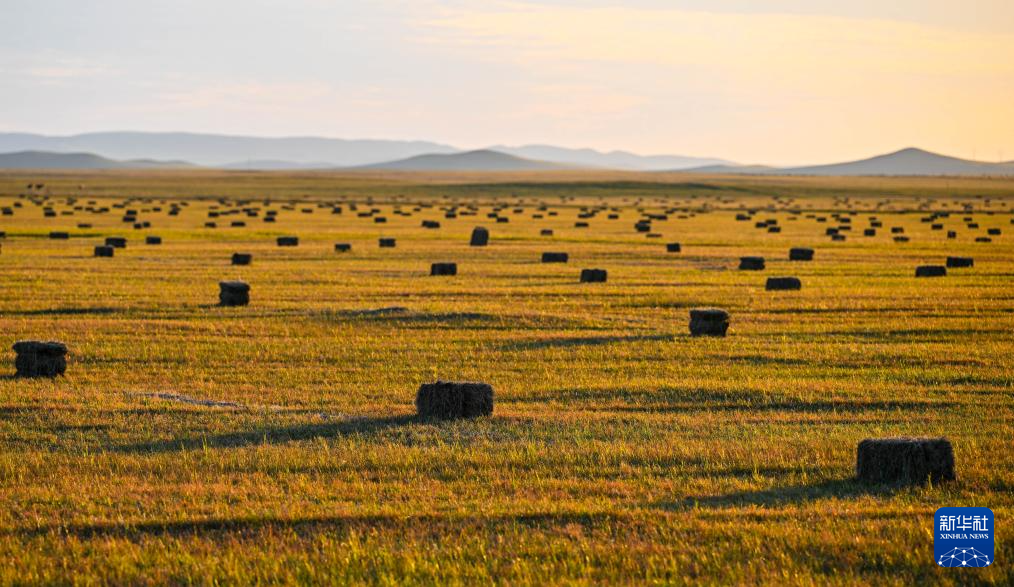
(621, 450)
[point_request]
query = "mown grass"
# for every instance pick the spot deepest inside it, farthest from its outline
(621, 450)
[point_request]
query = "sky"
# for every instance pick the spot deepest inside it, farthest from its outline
(784, 82)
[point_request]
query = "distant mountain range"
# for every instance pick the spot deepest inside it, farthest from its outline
(909, 161)
(47, 160)
(237, 152)
(139, 150)
(481, 160)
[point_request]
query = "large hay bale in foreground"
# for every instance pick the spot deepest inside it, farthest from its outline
(447, 400)
(554, 257)
(288, 241)
(930, 271)
(40, 359)
(233, 293)
(104, 251)
(800, 254)
(241, 258)
(593, 275)
(960, 262)
(708, 322)
(480, 237)
(783, 284)
(751, 263)
(444, 269)
(905, 461)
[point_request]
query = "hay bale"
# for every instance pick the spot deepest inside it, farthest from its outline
(930, 271)
(342, 247)
(241, 258)
(431, 224)
(593, 276)
(40, 359)
(546, 232)
(444, 269)
(905, 461)
(387, 243)
(870, 232)
(117, 242)
(554, 257)
(448, 400)
(152, 240)
(104, 251)
(288, 241)
(672, 248)
(233, 293)
(800, 254)
(783, 284)
(751, 263)
(708, 322)
(960, 262)
(480, 237)
(57, 235)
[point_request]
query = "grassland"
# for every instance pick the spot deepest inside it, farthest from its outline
(621, 450)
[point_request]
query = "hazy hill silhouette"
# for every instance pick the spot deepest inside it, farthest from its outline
(45, 160)
(909, 161)
(481, 160)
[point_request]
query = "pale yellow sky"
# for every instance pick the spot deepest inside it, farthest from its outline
(776, 81)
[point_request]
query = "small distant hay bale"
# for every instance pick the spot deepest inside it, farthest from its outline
(593, 275)
(708, 322)
(448, 400)
(104, 251)
(837, 237)
(40, 359)
(444, 269)
(480, 237)
(152, 240)
(956, 262)
(546, 232)
(901, 239)
(432, 224)
(904, 461)
(774, 229)
(751, 263)
(930, 271)
(952, 234)
(210, 225)
(783, 284)
(580, 225)
(237, 224)
(870, 232)
(554, 257)
(118, 242)
(288, 241)
(983, 239)
(233, 293)
(241, 258)
(58, 235)
(387, 243)
(673, 248)
(800, 254)
(897, 230)
(342, 247)
(994, 231)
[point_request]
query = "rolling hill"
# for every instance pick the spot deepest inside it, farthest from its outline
(47, 160)
(909, 161)
(481, 160)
